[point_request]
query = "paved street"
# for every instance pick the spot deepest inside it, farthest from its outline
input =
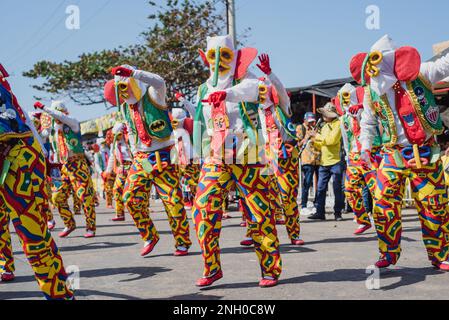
(332, 265)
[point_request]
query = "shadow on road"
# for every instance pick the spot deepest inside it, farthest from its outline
(192, 296)
(140, 272)
(90, 246)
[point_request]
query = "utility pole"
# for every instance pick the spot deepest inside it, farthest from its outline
(232, 30)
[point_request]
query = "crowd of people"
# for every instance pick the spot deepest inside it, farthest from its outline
(371, 140)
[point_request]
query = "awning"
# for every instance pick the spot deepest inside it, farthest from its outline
(327, 88)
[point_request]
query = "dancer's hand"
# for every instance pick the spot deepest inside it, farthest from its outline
(354, 110)
(38, 105)
(217, 98)
(122, 72)
(264, 65)
(365, 158)
(179, 96)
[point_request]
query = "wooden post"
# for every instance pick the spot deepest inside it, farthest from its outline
(314, 103)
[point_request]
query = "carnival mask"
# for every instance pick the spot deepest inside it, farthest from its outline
(385, 65)
(225, 62)
(129, 90)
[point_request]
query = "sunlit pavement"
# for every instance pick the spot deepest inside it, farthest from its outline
(333, 264)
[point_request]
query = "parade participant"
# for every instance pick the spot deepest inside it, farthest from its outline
(183, 147)
(44, 134)
(22, 196)
(310, 159)
(350, 101)
(399, 97)
(280, 136)
(101, 160)
(141, 96)
(75, 169)
(120, 161)
(225, 134)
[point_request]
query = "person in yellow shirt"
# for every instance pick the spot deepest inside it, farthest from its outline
(329, 140)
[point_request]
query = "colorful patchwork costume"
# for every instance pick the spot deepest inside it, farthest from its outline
(22, 199)
(183, 151)
(280, 136)
(75, 170)
(141, 97)
(349, 101)
(120, 161)
(399, 96)
(101, 161)
(226, 136)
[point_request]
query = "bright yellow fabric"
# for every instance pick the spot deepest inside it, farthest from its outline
(329, 141)
(445, 160)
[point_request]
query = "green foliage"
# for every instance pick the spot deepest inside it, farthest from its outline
(169, 48)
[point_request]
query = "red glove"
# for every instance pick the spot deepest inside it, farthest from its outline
(105, 175)
(38, 105)
(38, 115)
(354, 110)
(122, 72)
(264, 64)
(217, 98)
(179, 95)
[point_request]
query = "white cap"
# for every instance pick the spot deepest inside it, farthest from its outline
(118, 128)
(59, 106)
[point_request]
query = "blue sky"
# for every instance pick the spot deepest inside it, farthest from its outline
(308, 41)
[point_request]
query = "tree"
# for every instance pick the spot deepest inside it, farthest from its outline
(81, 80)
(170, 49)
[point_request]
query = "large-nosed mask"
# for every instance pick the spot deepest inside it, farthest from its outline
(225, 62)
(177, 118)
(129, 90)
(385, 65)
(222, 59)
(347, 97)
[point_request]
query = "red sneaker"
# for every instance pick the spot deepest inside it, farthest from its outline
(66, 232)
(268, 283)
(148, 248)
(206, 282)
(247, 243)
(383, 263)
(181, 253)
(188, 204)
(243, 224)
(7, 277)
(298, 242)
(89, 234)
(441, 266)
(118, 219)
(362, 229)
(51, 225)
(280, 222)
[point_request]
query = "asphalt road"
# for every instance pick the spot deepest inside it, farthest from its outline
(332, 265)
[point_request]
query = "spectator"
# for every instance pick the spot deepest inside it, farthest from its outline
(329, 141)
(310, 159)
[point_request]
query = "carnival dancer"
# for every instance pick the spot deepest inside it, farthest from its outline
(399, 96)
(120, 161)
(141, 96)
(44, 134)
(349, 101)
(101, 159)
(75, 170)
(280, 136)
(226, 135)
(190, 171)
(22, 197)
